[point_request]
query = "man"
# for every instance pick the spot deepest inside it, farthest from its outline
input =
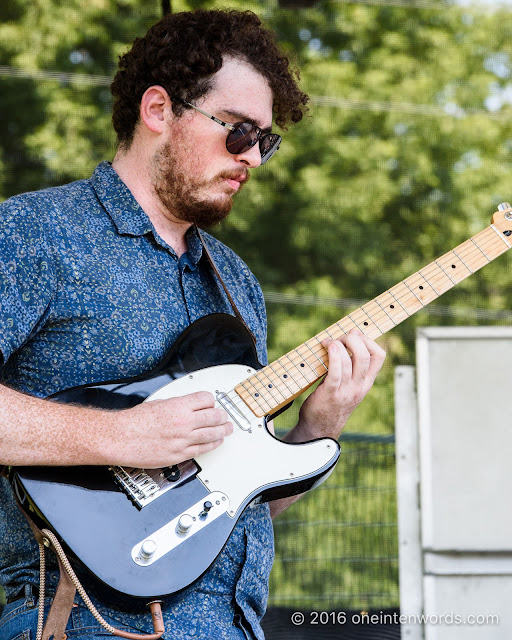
(99, 278)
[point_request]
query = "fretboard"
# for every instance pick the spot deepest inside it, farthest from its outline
(277, 384)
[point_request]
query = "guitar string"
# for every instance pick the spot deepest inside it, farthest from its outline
(434, 266)
(467, 249)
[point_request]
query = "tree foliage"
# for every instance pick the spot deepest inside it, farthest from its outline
(405, 153)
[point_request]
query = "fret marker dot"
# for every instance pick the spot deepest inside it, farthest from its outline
(270, 386)
(365, 324)
(301, 364)
(421, 286)
(285, 375)
(453, 266)
(391, 306)
(256, 395)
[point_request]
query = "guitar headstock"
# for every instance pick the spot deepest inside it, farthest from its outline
(502, 219)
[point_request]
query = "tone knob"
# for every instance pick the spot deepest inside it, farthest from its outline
(184, 523)
(147, 549)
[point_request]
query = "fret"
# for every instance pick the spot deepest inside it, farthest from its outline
(385, 311)
(269, 383)
(355, 322)
(437, 277)
(451, 263)
(463, 262)
(329, 335)
(366, 321)
(303, 352)
(253, 398)
(374, 312)
(307, 370)
(283, 380)
(297, 369)
(447, 274)
(429, 279)
(393, 306)
(336, 330)
(347, 326)
(322, 363)
(489, 244)
(318, 349)
(481, 250)
(285, 375)
(413, 300)
(259, 391)
(422, 289)
(373, 333)
(501, 236)
(495, 246)
(409, 301)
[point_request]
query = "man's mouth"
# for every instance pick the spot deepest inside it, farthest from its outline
(236, 181)
(234, 184)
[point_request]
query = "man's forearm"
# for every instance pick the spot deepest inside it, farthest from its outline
(41, 432)
(150, 435)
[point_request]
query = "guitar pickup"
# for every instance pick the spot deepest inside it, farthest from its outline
(233, 411)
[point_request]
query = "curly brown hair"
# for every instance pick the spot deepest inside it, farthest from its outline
(183, 50)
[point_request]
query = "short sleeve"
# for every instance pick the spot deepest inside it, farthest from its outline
(26, 273)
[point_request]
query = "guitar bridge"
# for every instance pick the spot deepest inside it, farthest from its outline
(143, 486)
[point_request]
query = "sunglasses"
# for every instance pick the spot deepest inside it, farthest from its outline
(243, 136)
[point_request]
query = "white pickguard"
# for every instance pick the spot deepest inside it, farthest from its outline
(250, 459)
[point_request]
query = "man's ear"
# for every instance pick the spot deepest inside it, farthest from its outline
(154, 104)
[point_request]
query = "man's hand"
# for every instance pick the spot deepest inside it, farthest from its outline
(165, 432)
(153, 434)
(354, 362)
(348, 380)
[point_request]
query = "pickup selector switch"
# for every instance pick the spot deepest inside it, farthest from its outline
(206, 508)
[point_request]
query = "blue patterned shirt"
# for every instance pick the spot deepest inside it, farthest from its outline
(89, 292)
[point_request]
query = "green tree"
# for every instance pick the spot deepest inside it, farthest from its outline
(405, 154)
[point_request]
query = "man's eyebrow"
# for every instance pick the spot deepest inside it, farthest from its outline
(236, 116)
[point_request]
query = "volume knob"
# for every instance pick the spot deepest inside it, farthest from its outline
(148, 549)
(185, 522)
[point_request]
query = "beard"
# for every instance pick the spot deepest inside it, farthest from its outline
(178, 192)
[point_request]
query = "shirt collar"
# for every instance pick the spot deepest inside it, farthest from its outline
(127, 214)
(194, 245)
(118, 201)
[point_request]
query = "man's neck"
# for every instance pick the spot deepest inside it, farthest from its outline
(134, 174)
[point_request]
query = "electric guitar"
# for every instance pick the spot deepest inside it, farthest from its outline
(152, 532)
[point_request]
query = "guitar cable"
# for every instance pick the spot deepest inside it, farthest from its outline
(50, 540)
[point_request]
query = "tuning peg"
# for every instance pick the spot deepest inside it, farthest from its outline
(502, 207)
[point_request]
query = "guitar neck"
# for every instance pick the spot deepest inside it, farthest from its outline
(277, 384)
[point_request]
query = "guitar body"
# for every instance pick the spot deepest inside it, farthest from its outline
(148, 533)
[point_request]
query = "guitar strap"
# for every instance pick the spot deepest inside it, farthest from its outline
(226, 290)
(60, 610)
(63, 600)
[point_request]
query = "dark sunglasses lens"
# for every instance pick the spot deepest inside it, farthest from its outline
(241, 138)
(269, 144)
(245, 135)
